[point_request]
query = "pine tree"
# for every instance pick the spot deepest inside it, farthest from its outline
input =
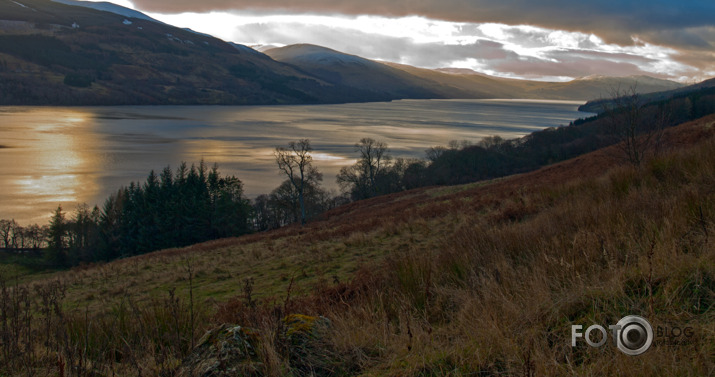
(110, 225)
(57, 239)
(149, 237)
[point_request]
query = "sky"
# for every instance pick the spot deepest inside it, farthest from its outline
(549, 40)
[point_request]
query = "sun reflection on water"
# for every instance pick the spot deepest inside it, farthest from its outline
(61, 149)
(65, 156)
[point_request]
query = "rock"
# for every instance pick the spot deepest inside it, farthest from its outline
(228, 350)
(301, 327)
(307, 351)
(232, 350)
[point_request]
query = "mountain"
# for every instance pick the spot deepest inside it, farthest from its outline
(464, 85)
(57, 54)
(350, 70)
(67, 52)
(109, 7)
(404, 81)
(584, 88)
(600, 87)
(393, 80)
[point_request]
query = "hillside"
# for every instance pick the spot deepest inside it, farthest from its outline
(108, 7)
(353, 71)
(53, 53)
(464, 85)
(404, 81)
(75, 53)
(585, 88)
(485, 278)
(600, 87)
(394, 80)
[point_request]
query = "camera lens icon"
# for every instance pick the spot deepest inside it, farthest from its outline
(634, 335)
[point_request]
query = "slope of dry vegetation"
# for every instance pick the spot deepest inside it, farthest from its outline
(481, 279)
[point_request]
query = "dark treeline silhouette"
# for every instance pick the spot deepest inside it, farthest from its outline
(14, 237)
(493, 157)
(172, 209)
(298, 198)
(191, 205)
(282, 206)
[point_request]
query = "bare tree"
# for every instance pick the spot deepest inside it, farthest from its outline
(361, 177)
(36, 235)
(638, 129)
(434, 153)
(491, 142)
(6, 228)
(373, 158)
(18, 236)
(297, 164)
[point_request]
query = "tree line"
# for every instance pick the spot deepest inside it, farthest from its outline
(171, 209)
(193, 204)
(13, 236)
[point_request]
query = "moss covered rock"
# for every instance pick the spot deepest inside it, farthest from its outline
(301, 327)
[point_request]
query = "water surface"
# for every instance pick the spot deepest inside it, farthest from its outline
(69, 155)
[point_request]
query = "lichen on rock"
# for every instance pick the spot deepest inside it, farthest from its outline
(227, 350)
(233, 350)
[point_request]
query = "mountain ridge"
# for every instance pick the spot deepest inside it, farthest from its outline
(340, 68)
(109, 7)
(72, 55)
(453, 82)
(68, 52)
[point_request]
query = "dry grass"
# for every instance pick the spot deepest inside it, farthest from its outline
(500, 294)
(483, 279)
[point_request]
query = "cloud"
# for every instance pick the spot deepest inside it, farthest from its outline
(372, 45)
(614, 21)
(554, 37)
(701, 38)
(686, 27)
(567, 67)
(543, 53)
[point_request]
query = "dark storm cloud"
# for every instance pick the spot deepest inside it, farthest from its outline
(614, 21)
(702, 38)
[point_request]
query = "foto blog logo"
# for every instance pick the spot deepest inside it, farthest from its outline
(633, 335)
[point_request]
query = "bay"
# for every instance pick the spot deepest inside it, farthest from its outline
(52, 156)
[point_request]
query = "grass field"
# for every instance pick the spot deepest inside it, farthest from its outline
(482, 280)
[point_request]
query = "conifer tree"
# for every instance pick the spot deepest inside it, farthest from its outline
(57, 239)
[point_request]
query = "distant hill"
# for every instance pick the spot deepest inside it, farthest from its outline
(58, 54)
(585, 88)
(462, 85)
(404, 81)
(67, 52)
(339, 68)
(599, 86)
